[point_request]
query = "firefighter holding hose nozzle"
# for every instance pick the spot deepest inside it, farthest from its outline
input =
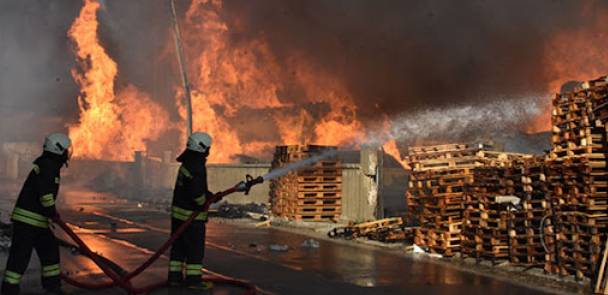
(190, 193)
(35, 206)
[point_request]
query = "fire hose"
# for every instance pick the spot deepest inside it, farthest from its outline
(124, 281)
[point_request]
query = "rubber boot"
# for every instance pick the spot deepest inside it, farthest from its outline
(55, 291)
(176, 279)
(201, 286)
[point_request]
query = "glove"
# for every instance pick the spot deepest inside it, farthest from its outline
(241, 187)
(55, 217)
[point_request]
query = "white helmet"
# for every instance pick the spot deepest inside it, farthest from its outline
(199, 142)
(57, 143)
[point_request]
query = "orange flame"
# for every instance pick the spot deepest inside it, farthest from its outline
(229, 77)
(111, 126)
(390, 147)
(574, 55)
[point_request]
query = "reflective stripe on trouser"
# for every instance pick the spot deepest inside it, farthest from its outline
(12, 277)
(51, 270)
(176, 266)
(183, 214)
(29, 217)
(194, 269)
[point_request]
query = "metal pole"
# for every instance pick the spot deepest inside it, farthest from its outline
(180, 58)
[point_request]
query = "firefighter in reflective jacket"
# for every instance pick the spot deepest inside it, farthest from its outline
(190, 193)
(34, 207)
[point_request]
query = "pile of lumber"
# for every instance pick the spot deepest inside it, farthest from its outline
(579, 179)
(439, 180)
(310, 194)
(528, 181)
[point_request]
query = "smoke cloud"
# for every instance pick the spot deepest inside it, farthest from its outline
(37, 93)
(401, 56)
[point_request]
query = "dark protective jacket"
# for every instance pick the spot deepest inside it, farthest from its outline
(191, 190)
(36, 202)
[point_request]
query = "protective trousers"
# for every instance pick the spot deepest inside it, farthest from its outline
(187, 253)
(26, 238)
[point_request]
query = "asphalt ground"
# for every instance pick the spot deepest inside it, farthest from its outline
(127, 233)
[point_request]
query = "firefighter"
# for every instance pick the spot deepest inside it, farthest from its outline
(190, 194)
(30, 217)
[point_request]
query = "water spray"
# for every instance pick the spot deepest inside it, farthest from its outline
(299, 165)
(250, 181)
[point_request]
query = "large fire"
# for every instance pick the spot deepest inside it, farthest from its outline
(227, 77)
(112, 124)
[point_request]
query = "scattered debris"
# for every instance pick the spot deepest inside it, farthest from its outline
(389, 230)
(279, 248)
(266, 223)
(311, 243)
(414, 249)
(235, 211)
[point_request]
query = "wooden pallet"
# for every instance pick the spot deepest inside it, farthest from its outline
(314, 217)
(320, 179)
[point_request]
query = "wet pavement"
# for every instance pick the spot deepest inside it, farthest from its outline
(127, 234)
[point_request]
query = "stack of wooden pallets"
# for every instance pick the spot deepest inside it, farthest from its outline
(436, 193)
(578, 178)
(443, 181)
(310, 194)
(528, 181)
(485, 229)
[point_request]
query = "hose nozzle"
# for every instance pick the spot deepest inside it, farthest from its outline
(245, 186)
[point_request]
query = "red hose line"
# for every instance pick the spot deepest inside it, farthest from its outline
(180, 230)
(87, 251)
(124, 282)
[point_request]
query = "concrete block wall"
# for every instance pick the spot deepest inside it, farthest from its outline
(224, 176)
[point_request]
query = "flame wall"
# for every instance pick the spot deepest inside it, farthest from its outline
(331, 72)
